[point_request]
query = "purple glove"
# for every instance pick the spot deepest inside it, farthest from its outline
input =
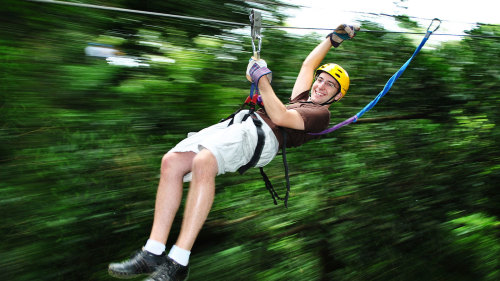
(343, 32)
(256, 69)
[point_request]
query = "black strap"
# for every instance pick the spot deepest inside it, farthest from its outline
(268, 183)
(258, 151)
(269, 186)
(231, 117)
(261, 137)
(285, 163)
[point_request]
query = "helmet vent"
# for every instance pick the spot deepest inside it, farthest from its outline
(336, 74)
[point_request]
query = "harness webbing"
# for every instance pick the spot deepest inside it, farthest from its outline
(268, 183)
(260, 142)
(252, 101)
(384, 91)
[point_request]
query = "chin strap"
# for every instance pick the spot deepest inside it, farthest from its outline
(332, 99)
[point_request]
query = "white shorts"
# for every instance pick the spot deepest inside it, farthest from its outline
(233, 146)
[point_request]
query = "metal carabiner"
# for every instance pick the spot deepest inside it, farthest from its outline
(256, 24)
(432, 22)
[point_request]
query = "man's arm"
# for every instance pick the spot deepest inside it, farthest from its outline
(313, 60)
(257, 72)
(305, 78)
(276, 110)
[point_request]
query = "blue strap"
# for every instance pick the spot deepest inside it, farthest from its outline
(253, 89)
(386, 89)
(393, 79)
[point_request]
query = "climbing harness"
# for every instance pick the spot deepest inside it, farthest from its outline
(387, 86)
(252, 101)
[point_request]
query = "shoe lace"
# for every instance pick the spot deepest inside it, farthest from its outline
(164, 271)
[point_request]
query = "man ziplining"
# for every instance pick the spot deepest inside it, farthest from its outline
(230, 145)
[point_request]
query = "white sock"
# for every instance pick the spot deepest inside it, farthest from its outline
(179, 255)
(154, 247)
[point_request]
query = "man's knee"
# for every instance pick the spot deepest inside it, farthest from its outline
(177, 160)
(167, 160)
(205, 162)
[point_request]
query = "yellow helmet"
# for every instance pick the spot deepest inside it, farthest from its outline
(338, 73)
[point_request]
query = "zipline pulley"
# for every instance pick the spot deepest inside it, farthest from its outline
(256, 24)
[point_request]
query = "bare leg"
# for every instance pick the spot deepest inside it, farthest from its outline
(169, 195)
(200, 198)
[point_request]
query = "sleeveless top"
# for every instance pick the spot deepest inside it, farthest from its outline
(316, 119)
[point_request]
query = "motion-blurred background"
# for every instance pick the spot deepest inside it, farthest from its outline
(91, 99)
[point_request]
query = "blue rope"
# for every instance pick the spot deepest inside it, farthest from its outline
(393, 79)
(386, 89)
(253, 89)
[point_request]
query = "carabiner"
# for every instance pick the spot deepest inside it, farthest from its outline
(256, 24)
(256, 49)
(432, 22)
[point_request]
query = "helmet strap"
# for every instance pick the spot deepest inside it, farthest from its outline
(332, 99)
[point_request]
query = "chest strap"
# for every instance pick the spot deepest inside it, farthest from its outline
(256, 156)
(261, 138)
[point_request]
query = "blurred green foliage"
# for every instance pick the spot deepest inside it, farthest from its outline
(408, 193)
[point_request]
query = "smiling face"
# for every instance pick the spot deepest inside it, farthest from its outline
(324, 88)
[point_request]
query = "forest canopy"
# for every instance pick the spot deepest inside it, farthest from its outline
(90, 100)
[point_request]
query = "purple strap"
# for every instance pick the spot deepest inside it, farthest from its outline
(341, 124)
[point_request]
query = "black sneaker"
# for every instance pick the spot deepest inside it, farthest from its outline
(170, 271)
(142, 262)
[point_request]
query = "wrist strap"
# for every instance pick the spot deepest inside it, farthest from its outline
(334, 44)
(256, 72)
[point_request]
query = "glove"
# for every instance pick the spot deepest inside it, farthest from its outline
(343, 32)
(256, 69)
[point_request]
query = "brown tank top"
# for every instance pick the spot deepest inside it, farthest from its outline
(316, 119)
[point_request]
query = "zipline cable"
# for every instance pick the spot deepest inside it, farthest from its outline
(229, 22)
(137, 12)
(413, 17)
(381, 31)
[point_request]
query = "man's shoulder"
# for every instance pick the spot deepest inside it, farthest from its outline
(304, 96)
